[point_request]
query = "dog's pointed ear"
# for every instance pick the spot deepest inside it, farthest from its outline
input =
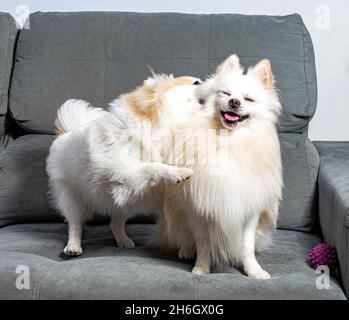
(262, 70)
(230, 64)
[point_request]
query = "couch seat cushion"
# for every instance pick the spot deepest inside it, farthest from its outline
(105, 271)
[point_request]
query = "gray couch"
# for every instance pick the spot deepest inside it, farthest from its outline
(97, 55)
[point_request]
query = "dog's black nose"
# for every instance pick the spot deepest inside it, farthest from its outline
(234, 103)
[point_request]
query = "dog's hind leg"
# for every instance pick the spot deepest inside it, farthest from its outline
(203, 252)
(117, 225)
(72, 211)
(73, 247)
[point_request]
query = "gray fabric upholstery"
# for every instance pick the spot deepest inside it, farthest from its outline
(107, 272)
(24, 181)
(300, 162)
(97, 55)
(23, 170)
(8, 34)
(2, 124)
(334, 200)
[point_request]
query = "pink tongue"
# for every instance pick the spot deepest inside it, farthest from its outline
(230, 117)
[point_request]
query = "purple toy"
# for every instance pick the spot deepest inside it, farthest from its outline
(324, 254)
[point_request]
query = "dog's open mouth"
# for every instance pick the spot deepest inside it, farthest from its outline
(232, 117)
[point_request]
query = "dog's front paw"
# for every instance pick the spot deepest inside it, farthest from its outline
(73, 250)
(259, 274)
(200, 270)
(178, 175)
(126, 243)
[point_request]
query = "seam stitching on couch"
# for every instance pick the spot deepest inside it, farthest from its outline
(313, 196)
(209, 45)
(196, 292)
(104, 80)
(38, 293)
(137, 59)
(107, 22)
(309, 179)
(301, 24)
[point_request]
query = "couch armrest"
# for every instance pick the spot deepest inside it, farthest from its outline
(333, 182)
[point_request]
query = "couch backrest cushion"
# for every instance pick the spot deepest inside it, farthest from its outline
(24, 186)
(8, 32)
(23, 181)
(97, 55)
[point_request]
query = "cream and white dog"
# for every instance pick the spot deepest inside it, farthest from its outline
(109, 162)
(132, 159)
(233, 196)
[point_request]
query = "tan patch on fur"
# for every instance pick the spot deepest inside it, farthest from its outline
(270, 77)
(268, 218)
(264, 222)
(145, 101)
(58, 130)
(143, 104)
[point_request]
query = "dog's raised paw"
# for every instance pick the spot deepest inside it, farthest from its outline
(73, 250)
(178, 175)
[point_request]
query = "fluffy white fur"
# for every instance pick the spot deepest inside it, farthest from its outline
(109, 161)
(234, 194)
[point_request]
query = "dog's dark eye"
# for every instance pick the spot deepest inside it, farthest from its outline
(197, 82)
(225, 92)
(249, 99)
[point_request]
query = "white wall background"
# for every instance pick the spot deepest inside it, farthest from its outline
(327, 21)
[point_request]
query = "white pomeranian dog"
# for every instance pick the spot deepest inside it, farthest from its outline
(230, 205)
(109, 161)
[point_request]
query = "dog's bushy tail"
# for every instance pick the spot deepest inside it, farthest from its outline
(73, 114)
